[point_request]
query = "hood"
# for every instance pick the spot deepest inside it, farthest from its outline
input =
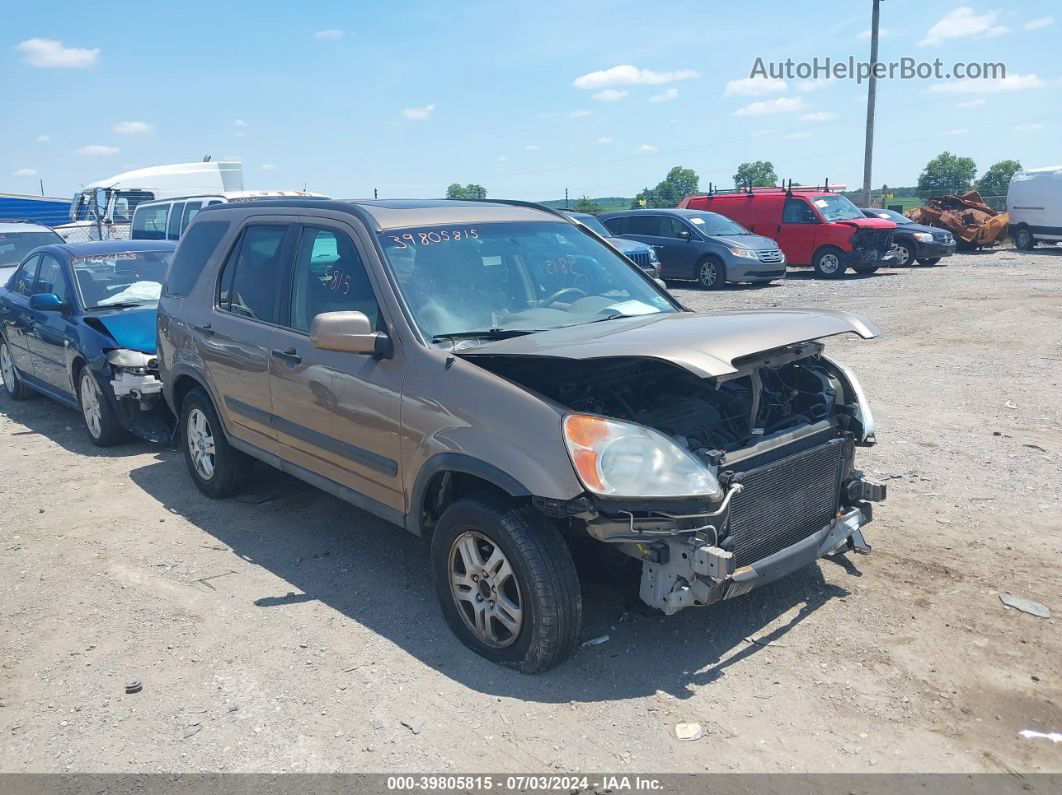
(626, 246)
(706, 344)
(868, 223)
(130, 328)
(755, 242)
(920, 228)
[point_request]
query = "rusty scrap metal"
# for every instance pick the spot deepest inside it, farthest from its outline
(967, 217)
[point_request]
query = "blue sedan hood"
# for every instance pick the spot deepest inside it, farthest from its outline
(131, 328)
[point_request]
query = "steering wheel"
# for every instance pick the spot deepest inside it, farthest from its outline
(574, 292)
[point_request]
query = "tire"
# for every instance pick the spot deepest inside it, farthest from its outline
(101, 421)
(216, 467)
(866, 268)
(827, 263)
(541, 583)
(907, 251)
(1023, 239)
(14, 387)
(929, 262)
(711, 274)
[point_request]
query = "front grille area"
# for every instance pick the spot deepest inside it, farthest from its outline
(640, 258)
(784, 501)
(877, 239)
(942, 237)
(770, 255)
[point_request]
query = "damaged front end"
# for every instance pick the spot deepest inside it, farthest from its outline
(754, 470)
(134, 379)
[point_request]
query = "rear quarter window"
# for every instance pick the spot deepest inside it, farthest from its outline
(192, 254)
(149, 223)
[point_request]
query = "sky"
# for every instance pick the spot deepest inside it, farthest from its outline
(526, 99)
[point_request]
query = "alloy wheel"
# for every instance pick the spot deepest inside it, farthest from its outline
(90, 405)
(905, 254)
(708, 274)
(7, 368)
(485, 589)
(200, 441)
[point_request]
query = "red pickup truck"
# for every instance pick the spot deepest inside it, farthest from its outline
(813, 226)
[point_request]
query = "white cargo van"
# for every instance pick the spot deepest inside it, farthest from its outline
(166, 219)
(1034, 204)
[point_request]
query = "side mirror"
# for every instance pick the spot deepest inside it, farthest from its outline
(684, 234)
(661, 284)
(349, 332)
(46, 302)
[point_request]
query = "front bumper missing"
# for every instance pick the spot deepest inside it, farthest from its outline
(698, 576)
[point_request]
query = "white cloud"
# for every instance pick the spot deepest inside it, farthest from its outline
(971, 103)
(531, 148)
(26, 172)
(44, 138)
(818, 116)
(882, 33)
(1014, 82)
(780, 105)
(133, 128)
(665, 95)
(627, 75)
(1028, 127)
(647, 148)
(47, 53)
(503, 159)
(794, 135)
(611, 95)
(268, 166)
(330, 34)
(957, 131)
(418, 114)
(807, 86)
(753, 86)
(580, 114)
(963, 23)
(1042, 22)
(240, 123)
(98, 150)
(604, 139)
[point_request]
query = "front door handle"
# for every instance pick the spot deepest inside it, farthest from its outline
(203, 329)
(289, 355)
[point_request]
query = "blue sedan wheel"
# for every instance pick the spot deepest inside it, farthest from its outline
(100, 421)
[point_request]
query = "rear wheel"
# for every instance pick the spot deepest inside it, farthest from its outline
(13, 384)
(506, 583)
(827, 263)
(711, 274)
(905, 250)
(100, 419)
(866, 268)
(1023, 239)
(216, 467)
(928, 261)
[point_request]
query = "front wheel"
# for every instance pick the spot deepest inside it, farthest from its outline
(13, 384)
(827, 263)
(1023, 239)
(711, 274)
(506, 583)
(905, 250)
(101, 420)
(928, 261)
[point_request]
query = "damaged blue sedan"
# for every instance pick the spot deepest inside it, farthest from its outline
(78, 325)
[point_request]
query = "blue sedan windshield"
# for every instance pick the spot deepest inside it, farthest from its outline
(120, 279)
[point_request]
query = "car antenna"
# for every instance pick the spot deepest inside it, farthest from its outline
(826, 187)
(789, 189)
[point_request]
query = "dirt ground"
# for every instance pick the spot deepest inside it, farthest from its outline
(286, 631)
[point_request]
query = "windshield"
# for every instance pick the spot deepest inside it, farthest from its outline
(715, 224)
(837, 208)
(591, 222)
(527, 276)
(891, 215)
(126, 278)
(14, 246)
(124, 202)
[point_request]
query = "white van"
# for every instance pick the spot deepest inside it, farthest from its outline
(167, 219)
(1034, 206)
(103, 210)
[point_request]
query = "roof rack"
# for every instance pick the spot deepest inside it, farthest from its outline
(521, 203)
(787, 188)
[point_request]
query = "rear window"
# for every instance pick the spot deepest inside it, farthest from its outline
(192, 254)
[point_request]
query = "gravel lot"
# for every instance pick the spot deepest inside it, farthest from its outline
(287, 631)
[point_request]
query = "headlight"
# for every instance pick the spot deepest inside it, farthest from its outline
(652, 256)
(923, 237)
(622, 459)
(748, 253)
(122, 357)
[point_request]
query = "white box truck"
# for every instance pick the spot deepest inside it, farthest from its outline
(1034, 206)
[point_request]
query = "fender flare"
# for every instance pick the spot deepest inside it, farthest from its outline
(457, 462)
(181, 371)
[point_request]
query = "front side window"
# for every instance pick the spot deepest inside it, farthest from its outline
(797, 211)
(249, 279)
(673, 227)
(513, 277)
(120, 279)
(329, 276)
(149, 223)
(50, 277)
(25, 277)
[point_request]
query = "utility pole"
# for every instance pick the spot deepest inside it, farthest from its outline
(565, 198)
(375, 195)
(42, 187)
(872, 92)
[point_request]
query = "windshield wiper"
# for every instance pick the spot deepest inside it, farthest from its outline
(490, 334)
(116, 305)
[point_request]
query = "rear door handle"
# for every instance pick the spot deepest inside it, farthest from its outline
(288, 355)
